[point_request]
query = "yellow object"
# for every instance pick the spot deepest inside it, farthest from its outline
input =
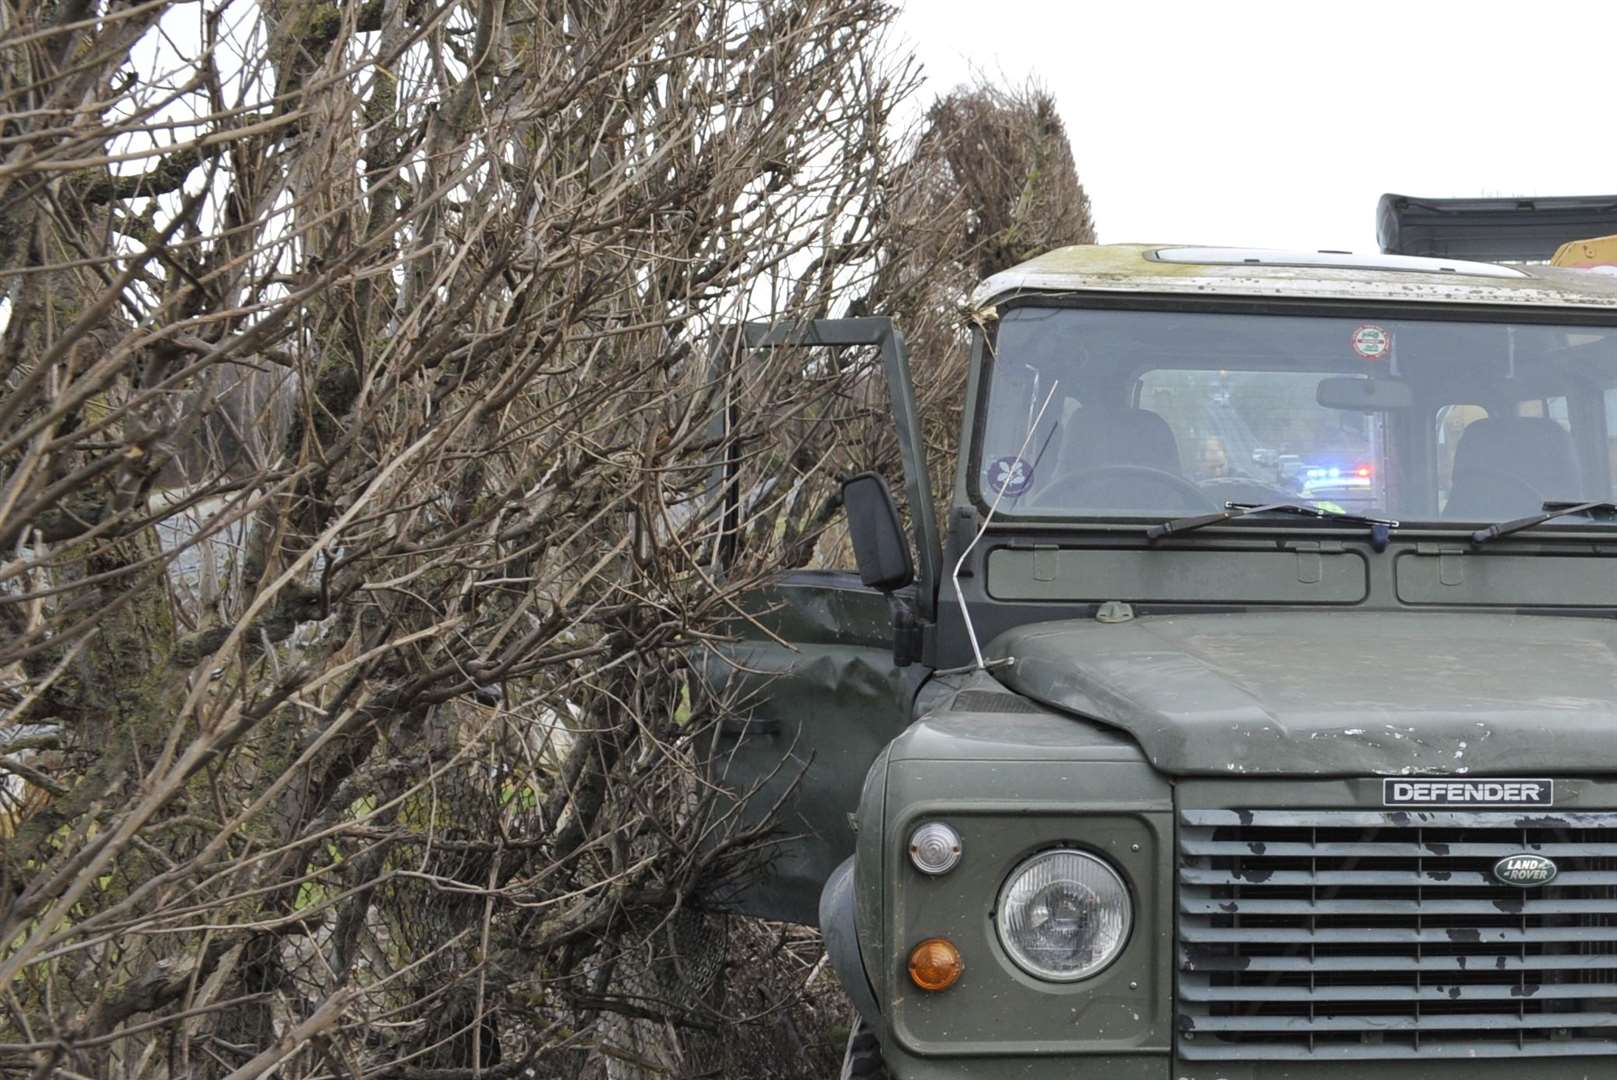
(935, 964)
(1601, 251)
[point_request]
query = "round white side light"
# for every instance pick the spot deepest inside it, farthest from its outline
(935, 848)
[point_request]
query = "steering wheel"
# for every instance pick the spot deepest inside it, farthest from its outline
(1523, 497)
(1244, 490)
(1065, 490)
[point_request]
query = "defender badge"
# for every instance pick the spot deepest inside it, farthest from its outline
(1451, 792)
(1525, 870)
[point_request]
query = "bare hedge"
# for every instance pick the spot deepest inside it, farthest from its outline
(358, 531)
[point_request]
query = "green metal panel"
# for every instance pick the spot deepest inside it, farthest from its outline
(996, 1008)
(1347, 693)
(1170, 575)
(1013, 783)
(1451, 575)
(818, 711)
(903, 1066)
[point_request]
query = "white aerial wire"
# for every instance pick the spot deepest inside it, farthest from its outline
(954, 578)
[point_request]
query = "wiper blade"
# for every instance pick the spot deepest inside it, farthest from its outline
(1552, 510)
(1237, 509)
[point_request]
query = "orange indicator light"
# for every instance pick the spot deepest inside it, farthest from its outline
(935, 964)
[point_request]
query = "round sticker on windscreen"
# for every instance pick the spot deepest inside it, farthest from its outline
(1009, 475)
(1372, 342)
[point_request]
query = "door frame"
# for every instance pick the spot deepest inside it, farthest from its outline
(879, 331)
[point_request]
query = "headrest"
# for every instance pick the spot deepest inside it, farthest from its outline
(1098, 436)
(1534, 449)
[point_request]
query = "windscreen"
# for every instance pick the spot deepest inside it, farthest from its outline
(1153, 413)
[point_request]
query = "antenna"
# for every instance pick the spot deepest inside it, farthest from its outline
(954, 578)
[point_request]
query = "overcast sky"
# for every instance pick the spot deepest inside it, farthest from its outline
(1280, 124)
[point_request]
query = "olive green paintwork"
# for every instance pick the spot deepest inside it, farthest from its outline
(1012, 778)
(1310, 693)
(1013, 783)
(1267, 575)
(813, 679)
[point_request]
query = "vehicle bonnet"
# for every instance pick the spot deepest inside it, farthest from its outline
(1334, 694)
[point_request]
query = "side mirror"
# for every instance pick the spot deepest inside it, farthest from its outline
(879, 545)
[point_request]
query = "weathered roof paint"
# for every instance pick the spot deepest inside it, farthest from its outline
(1332, 260)
(1129, 268)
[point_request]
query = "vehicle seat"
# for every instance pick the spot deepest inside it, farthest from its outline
(1507, 466)
(1098, 436)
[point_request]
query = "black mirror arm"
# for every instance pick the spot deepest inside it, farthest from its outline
(907, 632)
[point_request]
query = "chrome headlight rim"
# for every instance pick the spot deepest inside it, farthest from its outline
(1025, 964)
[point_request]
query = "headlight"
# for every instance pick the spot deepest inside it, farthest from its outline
(1063, 915)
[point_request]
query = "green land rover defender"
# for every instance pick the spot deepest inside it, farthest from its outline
(1253, 713)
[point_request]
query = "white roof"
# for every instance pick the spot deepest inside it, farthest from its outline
(1170, 269)
(1340, 260)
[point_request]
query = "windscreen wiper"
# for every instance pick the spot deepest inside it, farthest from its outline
(1379, 527)
(1552, 510)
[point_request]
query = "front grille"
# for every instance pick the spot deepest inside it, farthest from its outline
(1356, 934)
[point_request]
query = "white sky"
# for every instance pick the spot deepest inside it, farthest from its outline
(1280, 124)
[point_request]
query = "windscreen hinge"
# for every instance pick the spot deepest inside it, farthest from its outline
(1310, 565)
(1046, 562)
(1450, 564)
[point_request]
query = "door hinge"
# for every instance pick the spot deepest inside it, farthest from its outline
(907, 637)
